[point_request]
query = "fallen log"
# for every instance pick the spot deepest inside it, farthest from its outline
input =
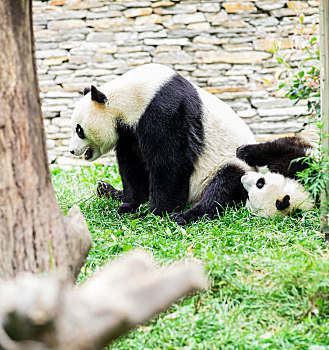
(45, 312)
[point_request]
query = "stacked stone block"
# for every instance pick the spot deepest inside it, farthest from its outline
(219, 45)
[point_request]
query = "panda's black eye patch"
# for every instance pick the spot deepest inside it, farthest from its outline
(80, 132)
(260, 182)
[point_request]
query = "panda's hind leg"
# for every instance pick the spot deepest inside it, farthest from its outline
(224, 189)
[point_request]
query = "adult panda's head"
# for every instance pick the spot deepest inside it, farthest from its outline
(272, 195)
(93, 126)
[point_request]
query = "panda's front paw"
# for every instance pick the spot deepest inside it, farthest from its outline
(241, 152)
(103, 189)
(126, 208)
(178, 218)
(107, 190)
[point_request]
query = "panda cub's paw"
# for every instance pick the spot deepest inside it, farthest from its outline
(246, 153)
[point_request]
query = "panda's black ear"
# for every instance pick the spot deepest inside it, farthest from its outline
(281, 205)
(86, 90)
(97, 96)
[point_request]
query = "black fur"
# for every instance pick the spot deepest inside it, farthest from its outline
(260, 182)
(132, 168)
(97, 96)
(86, 90)
(170, 134)
(80, 131)
(281, 205)
(225, 189)
(156, 157)
(277, 155)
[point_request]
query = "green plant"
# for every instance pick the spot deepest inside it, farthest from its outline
(316, 176)
(300, 78)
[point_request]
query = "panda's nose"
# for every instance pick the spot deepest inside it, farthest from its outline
(72, 151)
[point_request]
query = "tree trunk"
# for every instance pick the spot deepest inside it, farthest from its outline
(34, 235)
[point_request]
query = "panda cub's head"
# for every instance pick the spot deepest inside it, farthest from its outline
(274, 195)
(93, 127)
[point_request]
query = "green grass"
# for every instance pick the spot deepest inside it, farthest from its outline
(269, 279)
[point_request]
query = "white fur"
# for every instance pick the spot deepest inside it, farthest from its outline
(263, 200)
(224, 132)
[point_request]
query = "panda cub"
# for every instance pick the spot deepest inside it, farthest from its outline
(275, 192)
(272, 195)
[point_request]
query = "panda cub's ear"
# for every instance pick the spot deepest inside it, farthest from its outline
(281, 205)
(97, 96)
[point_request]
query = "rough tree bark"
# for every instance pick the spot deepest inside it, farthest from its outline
(34, 235)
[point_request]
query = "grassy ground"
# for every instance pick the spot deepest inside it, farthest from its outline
(269, 278)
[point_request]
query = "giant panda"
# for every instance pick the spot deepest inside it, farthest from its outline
(171, 137)
(276, 192)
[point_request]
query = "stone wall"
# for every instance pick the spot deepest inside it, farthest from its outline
(219, 45)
